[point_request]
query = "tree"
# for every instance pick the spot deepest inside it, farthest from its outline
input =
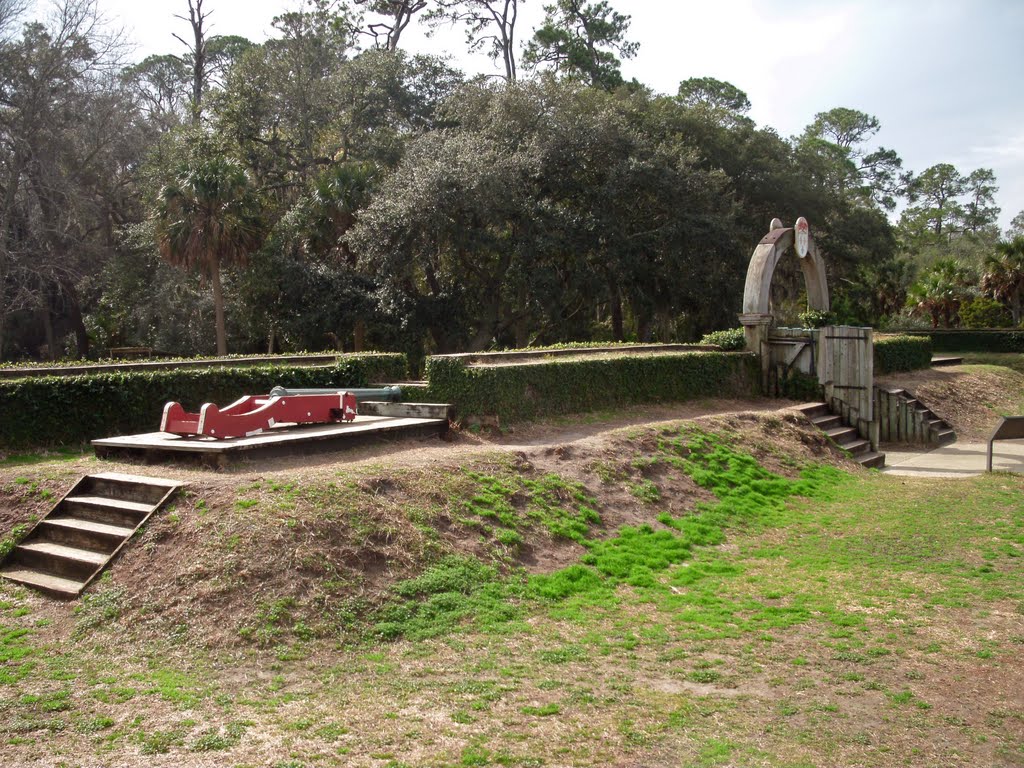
(67, 130)
(940, 290)
(196, 54)
(282, 106)
(720, 101)
(837, 139)
(582, 41)
(1003, 275)
(542, 209)
(339, 193)
(1016, 226)
(981, 211)
(490, 26)
(935, 208)
(206, 218)
(10, 12)
(162, 83)
(398, 15)
(446, 229)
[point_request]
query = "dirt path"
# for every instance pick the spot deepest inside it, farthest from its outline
(592, 432)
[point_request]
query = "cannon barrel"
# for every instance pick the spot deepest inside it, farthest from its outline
(393, 394)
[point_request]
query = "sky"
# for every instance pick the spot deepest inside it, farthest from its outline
(944, 77)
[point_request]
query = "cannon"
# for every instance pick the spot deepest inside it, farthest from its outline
(254, 414)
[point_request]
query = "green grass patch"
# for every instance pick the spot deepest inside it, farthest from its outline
(42, 457)
(459, 593)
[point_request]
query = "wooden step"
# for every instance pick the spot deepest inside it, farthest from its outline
(841, 435)
(871, 460)
(856, 446)
(87, 534)
(58, 559)
(46, 582)
(136, 488)
(945, 437)
(827, 422)
(812, 410)
(86, 528)
(69, 553)
(118, 512)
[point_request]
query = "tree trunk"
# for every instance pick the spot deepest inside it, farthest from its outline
(74, 311)
(359, 335)
(442, 341)
(218, 308)
(270, 340)
(488, 324)
(643, 328)
(618, 331)
(519, 321)
(46, 317)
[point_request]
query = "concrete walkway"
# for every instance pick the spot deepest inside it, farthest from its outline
(954, 460)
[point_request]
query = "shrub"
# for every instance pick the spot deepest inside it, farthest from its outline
(816, 318)
(902, 353)
(729, 340)
(523, 392)
(54, 410)
(982, 312)
(974, 340)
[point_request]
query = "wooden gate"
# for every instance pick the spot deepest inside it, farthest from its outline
(845, 362)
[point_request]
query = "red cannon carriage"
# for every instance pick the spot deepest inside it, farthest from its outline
(254, 414)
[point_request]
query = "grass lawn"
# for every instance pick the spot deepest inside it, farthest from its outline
(1004, 359)
(802, 615)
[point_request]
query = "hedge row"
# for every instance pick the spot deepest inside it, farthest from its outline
(67, 410)
(523, 392)
(902, 353)
(974, 340)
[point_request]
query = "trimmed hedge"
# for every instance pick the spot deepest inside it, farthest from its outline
(993, 340)
(729, 340)
(902, 353)
(523, 392)
(63, 410)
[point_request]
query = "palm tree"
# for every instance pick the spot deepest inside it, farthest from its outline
(1003, 278)
(338, 195)
(209, 217)
(940, 291)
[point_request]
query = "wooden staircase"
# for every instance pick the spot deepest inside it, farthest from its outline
(87, 528)
(844, 436)
(904, 418)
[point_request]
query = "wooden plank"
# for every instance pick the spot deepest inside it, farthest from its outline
(69, 553)
(294, 441)
(278, 436)
(122, 477)
(55, 585)
(406, 410)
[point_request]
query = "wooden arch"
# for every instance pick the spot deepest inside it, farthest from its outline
(757, 316)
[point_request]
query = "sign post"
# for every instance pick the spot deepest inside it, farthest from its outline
(802, 241)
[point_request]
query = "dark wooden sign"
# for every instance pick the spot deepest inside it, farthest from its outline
(1010, 428)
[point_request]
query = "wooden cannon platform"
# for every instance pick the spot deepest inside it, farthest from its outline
(376, 420)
